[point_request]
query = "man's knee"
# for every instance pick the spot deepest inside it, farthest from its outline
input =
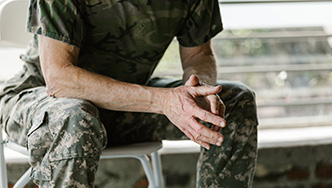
(78, 128)
(69, 127)
(64, 130)
(240, 101)
(232, 90)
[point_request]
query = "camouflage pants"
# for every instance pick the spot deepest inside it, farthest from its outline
(66, 136)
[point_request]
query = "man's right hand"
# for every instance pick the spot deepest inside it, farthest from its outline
(181, 107)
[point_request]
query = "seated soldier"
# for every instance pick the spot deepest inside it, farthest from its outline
(86, 85)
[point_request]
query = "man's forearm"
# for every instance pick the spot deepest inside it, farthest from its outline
(200, 62)
(65, 79)
(204, 69)
(103, 91)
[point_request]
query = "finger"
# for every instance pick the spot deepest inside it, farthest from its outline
(221, 106)
(207, 90)
(192, 81)
(191, 137)
(218, 143)
(217, 106)
(214, 106)
(222, 109)
(187, 133)
(203, 133)
(203, 144)
(209, 117)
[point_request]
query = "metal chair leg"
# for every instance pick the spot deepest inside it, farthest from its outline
(148, 170)
(156, 163)
(3, 170)
(23, 180)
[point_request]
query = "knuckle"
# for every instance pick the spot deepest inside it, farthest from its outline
(212, 136)
(197, 136)
(188, 134)
(199, 130)
(204, 116)
(195, 123)
(192, 119)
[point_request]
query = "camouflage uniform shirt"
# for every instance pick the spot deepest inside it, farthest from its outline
(122, 39)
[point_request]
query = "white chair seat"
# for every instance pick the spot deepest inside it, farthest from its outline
(133, 149)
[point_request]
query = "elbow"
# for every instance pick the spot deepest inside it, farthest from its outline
(62, 83)
(55, 84)
(52, 86)
(52, 91)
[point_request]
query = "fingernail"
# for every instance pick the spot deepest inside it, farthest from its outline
(222, 124)
(218, 143)
(207, 147)
(220, 140)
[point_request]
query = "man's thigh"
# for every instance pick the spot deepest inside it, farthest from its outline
(17, 113)
(32, 108)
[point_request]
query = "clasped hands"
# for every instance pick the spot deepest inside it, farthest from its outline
(190, 105)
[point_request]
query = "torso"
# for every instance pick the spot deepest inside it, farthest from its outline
(126, 39)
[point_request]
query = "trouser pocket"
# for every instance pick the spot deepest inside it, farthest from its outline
(39, 141)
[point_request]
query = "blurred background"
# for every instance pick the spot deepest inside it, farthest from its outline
(281, 50)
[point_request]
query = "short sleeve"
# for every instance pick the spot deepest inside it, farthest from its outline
(203, 23)
(58, 19)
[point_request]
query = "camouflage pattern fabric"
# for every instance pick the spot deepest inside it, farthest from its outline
(124, 39)
(66, 136)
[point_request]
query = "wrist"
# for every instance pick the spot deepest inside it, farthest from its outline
(159, 99)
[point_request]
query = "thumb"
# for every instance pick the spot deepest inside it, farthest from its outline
(192, 81)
